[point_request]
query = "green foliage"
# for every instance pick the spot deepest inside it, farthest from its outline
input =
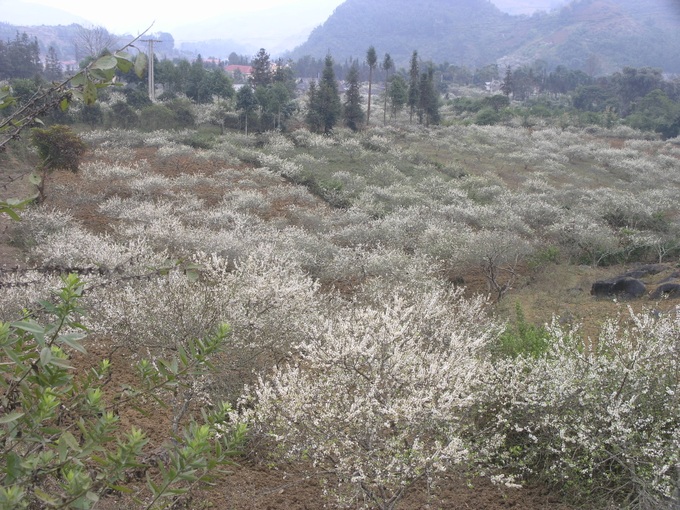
(353, 113)
(428, 100)
(246, 102)
(372, 62)
(487, 117)
(262, 69)
(24, 89)
(84, 86)
(123, 116)
(137, 96)
(20, 58)
(324, 106)
(522, 338)
(158, 116)
(656, 112)
(92, 115)
(549, 255)
(398, 93)
(61, 442)
(199, 140)
(413, 84)
(58, 147)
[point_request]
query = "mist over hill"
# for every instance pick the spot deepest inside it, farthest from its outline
(597, 36)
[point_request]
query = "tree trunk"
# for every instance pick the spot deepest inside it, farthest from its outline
(370, 83)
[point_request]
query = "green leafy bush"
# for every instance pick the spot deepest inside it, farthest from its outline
(155, 117)
(123, 116)
(522, 338)
(58, 147)
(61, 444)
(487, 117)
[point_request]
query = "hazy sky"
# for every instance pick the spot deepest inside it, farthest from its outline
(133, 16)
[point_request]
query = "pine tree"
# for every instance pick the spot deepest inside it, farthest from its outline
(414, 85)
(428, 102)
(372, 61)
(313, 118)
(506, 87)
(387, 65)
(262, 69)
(353, 113)
(21, 58)
(53, 70)
(325, 104)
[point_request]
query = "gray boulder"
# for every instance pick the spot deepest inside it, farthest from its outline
(623, 287)
(667, 290)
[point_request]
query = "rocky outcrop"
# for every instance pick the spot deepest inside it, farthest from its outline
(622, 287)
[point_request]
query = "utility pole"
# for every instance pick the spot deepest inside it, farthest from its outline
(152, 83)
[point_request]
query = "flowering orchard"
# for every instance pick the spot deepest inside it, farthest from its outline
(363, 276)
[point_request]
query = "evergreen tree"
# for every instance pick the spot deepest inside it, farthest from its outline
(506, 87)
(414, 85)
(280, 102)
(262, 69)
(20, 58)
(428, 102)
(53, 71)
(313, 117)
(325, 103)
(167, 74)
(195, 88)
(283, 73)
(353, 113)
(398, 94)
(387, 65)
(371, 61)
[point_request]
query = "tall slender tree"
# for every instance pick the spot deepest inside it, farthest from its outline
(313, 117)
(324, 103)
(53, 70)
(428, 102)
(398, 94)
(414, 85)
(507, 85)
(246, 102)
(353, 113)
(387, 66)
(371, 61)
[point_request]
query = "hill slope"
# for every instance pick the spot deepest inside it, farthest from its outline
(594, 35)
(440, 30)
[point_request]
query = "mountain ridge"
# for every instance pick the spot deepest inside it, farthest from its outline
(612, 33)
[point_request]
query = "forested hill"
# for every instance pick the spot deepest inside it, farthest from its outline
(473, 32)
(597, 36)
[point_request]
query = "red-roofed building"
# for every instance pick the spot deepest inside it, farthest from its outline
(246, 71)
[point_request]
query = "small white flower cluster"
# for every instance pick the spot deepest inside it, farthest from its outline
(98, 169)
(304, 138)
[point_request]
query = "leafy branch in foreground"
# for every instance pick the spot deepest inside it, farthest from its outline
(100, 73)
(83, 85)
(61, 445)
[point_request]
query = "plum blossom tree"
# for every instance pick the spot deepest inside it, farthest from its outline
(404, 367)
